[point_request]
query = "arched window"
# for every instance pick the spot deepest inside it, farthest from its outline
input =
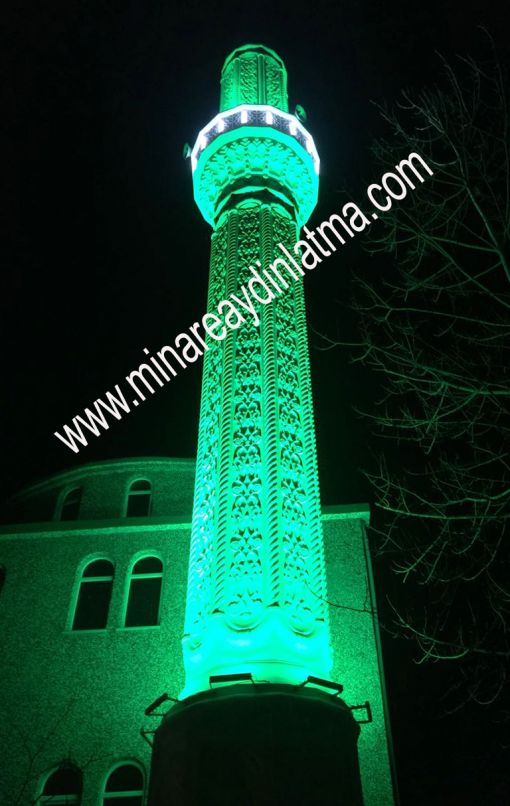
(144, 593)
(139, 499)
(70, 508)
(94, 594)
(63, 786)
(124, 786)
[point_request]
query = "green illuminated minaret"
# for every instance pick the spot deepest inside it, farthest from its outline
(256, 579)
(259, 720)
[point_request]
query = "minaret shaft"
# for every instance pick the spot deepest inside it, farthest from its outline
(256, 582)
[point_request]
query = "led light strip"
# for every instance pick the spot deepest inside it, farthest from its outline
(272, 118)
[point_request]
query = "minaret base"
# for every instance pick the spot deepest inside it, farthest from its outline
(245, 745)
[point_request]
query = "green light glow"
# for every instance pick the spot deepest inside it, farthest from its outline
(256, 584)
(254, 74)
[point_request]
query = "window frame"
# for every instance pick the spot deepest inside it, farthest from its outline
(142, 555)
(75, 594)
(59, 799)
(129, 762)
(59, 509)
(129, 493)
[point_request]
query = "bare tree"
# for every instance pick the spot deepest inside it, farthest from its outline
(33, 745)
(435, 330)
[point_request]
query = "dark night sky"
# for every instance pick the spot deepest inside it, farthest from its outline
(108, 254)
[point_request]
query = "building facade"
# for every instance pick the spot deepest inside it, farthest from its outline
(81, 659)
(77, 696)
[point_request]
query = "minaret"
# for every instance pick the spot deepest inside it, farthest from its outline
(259, 720)
(256, 585)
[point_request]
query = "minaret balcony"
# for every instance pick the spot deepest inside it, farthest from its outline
(251, 150)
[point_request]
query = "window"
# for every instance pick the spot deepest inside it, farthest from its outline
(63, 786)
(124, 786)
(94, 594)
(70, 508)
(144, 593)
(139, 499)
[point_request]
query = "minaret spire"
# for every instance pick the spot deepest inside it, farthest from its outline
(256, 585)
(254, 74)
